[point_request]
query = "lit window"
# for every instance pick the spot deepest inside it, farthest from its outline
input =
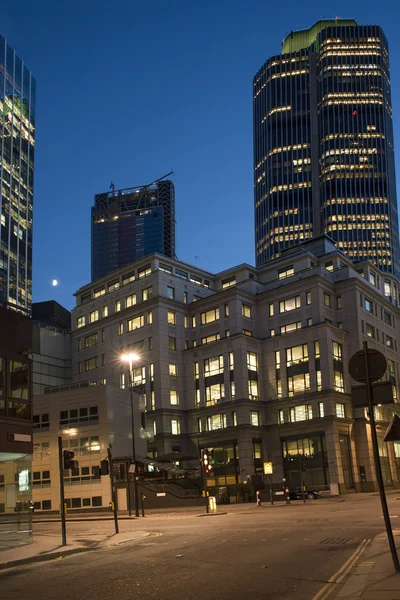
(122, 381)
(327, 299)
(144, 271)
(173, 369)
(300, 413)
(226, 283)
(181, 274)
(254, 418)
(340, 410)
(99, 292)
(253, 389)
(94, 316)
(281, 418)
(120, 329)
(91, 363)
(113, 285)
(368, 305)
(150, 317)
(291, 327)
(91, 340)
(171, 317)
(213, 366)
(210, 316)
(226, 310)
(214, 393)
(175, 426)
(286, 272)
(199, 425)
(247, 332)
(234, 420)
(80, 322)
(165, 268)
(329, 265)
(338, 384)
(186, 322)
(289, 304)
(271, 309)
(337, 351)
(308, 297)
(185, 297)
(117, 305)
(389, 341)
(296, 355)
(105, 311)
(233, 390)
(173, 397)
(216, 422)
(155, 427)
(211, 338)
(246, 310)
(369, 330)
(147, 293)
(130, 300)
(338, 301)
(196, 370)
(321, 409)
(194, 321)
(136, 323)
(373, 278)
(170, 292)
(128, 278)
(298, 384)
(252, 361)
(197, 397)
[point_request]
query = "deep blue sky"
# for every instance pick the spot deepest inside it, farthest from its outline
(128, 90)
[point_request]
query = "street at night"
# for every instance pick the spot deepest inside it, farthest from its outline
(262, 553)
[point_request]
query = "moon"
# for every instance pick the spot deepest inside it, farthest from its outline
(54, 282)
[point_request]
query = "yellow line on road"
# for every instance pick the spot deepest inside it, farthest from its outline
(341, 574)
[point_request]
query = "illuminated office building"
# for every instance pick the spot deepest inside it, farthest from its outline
(132, 223)
(17, 115)
(323, 145)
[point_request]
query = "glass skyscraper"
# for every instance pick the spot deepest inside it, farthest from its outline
(323, 145)
(17, 112)
(131, 223)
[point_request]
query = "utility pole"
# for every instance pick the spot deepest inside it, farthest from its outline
(62, 499)
(113, 499)
(378, 468)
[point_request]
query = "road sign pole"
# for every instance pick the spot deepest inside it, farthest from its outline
(113, 494)
(378, 469)
(62, 499)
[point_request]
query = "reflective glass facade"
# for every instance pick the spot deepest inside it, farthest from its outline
(130, 224)
(323, 145)
(17, 112)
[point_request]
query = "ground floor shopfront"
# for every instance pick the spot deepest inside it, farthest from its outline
(15, 499)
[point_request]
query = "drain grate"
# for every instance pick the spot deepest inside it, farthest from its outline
(332, 541)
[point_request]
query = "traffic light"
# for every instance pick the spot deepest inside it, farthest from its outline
(104, 467)
(208, 463)
(68, 460)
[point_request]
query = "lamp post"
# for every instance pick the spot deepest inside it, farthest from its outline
(130, 358)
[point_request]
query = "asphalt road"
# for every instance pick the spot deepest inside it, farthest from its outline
(252, 553)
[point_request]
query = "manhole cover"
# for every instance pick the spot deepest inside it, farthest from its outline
(332, 541)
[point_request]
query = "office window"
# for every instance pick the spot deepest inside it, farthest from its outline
(122, 381)
(309, 322)
(300, 413)
(233, 390)
(195, 298)
(229, 282)
(105, 311)
(147, 293)
(321, 409)
(216, 422)
(210, 316)
(91, 363)
(173, 398)
(338, 301)
(286, 272)
(113, 285)
(291, 327)
(329, 265)
(213, 366)
(155, 427)
(197, 398)
(327, 299)
(193, 321)
(94, 316)
(175, 426)
(227, 333)
(99, 292)
(247, 332)
(308, 297)
(171, 292)
(136, 323)
(165, 268)
(214, 393)
(226, 310)
(340, 410)
(388, 289)
(389, 341)
(369, 330)
(186, 322)
(171, 317)
(281, 417)
(374, 279)
(128, 278)
(289, 304)
(318, 380)
(185, 297)
(199, 425)
(340, 324)
(271, 309)
(91, 340)
(234, 418)
(144, 271)
(296, 355)
(196, 370)
(254, 418)
(252, 361)
(120, 329)
(150, 317)
(253, 389)
(172, 343)
(117, 305)
(298, 384)
(130, 300)
(173, 369)
(338, 384)
(246, 310)
(337, 351)
(277, 359)
(368, 305)
(211, 338)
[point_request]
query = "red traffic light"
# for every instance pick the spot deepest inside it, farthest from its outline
(68, 460)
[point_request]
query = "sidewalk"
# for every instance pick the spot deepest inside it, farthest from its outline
(47, 547)
(373, 577)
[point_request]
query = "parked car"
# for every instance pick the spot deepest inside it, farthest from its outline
(298, 494)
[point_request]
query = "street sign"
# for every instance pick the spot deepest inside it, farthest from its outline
(132, 468)
(393, 431)
(382, 393)
(268, 470)
(376, 365)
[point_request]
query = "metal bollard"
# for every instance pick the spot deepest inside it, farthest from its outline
(258, 498)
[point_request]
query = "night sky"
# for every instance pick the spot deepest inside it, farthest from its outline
(128, 90)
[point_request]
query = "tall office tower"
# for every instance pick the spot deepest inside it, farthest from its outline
(131, 223)
(17, 119)
(323, 145)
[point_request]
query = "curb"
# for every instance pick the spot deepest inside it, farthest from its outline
(44, 557)
(212, 514)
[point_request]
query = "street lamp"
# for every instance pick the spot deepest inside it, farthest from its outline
(130, 359)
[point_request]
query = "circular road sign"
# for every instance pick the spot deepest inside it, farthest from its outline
(376, 365)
